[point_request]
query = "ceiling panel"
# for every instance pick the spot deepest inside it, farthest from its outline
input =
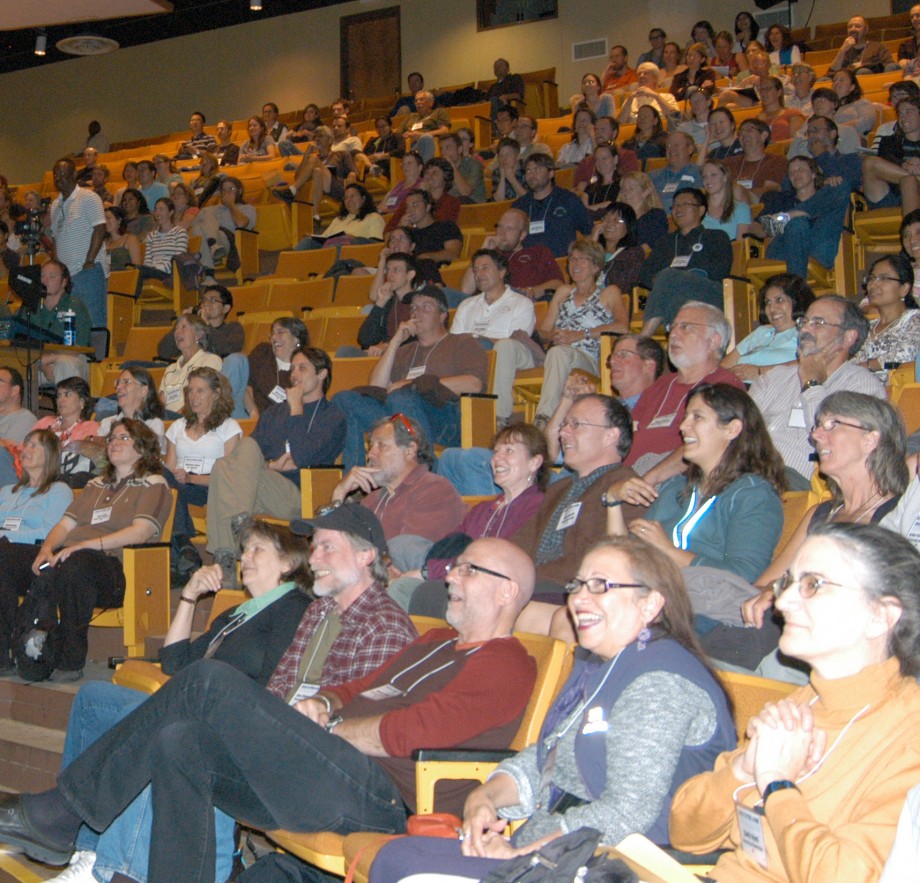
(15, 14)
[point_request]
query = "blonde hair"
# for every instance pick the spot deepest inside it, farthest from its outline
(650, 197)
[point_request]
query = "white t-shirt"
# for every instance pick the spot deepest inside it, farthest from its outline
(512, 311)
(156, 426)
(198, 455)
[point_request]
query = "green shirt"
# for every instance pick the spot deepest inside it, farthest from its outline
(50, 321)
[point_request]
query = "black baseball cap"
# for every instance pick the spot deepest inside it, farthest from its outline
(350, 518)
(431, 291)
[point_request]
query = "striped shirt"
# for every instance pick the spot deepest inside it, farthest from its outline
(160, 247)
(72, 224)
(790, 413)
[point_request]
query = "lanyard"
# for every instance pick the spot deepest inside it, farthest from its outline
(433, 672)
(682, 530)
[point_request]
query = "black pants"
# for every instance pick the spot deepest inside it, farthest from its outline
(213, 737)
(87, 579)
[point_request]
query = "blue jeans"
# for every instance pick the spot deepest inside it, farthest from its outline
(469, 470)
(89, 286)
(441, 423)
(124, 847)
(211, 737)
(288, 148)
(800, 241)
(236, 369)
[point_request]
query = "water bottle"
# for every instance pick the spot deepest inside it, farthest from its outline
(69, 318)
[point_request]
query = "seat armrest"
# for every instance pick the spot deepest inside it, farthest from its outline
(457, 755)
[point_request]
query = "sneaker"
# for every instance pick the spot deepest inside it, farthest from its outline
(189, 560)
(80, 869)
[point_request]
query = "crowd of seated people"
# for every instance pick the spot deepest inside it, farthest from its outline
(644, 525)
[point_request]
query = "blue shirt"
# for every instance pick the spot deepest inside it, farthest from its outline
(667, 183)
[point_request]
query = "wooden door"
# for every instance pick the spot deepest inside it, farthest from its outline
(370, 53)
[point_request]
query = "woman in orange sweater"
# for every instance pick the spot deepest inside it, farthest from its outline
(818, 784)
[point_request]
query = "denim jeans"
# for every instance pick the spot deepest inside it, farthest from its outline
(469, 470)
(89, 286)
(236, 369)
(800, 241)
(211, 737)
(124, 847)
(441, 423)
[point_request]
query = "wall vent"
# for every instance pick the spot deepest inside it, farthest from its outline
(589, 49)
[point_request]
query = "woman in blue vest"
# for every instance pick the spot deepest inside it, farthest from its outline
(641, 712)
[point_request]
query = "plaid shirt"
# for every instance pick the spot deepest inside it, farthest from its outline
(374, 628)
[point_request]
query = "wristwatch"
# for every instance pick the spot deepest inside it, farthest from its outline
(778, 785)
(610, 504)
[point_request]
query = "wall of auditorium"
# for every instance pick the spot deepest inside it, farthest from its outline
(294, 59)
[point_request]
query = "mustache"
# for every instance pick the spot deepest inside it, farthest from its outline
(805, 336)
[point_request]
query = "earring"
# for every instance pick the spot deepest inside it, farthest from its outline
(645, 635)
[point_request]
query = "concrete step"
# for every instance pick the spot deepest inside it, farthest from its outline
(30, 756)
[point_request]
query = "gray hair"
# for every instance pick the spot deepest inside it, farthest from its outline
(851, 320)
(378, 567)
(716, 321)
(886, 464)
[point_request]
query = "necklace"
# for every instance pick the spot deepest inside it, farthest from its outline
(867, 509)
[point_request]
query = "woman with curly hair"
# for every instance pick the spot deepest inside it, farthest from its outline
(79, 563)
(357, 223)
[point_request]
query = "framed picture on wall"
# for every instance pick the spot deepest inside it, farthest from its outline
(500, 13)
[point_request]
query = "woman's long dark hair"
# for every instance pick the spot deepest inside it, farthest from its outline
(151, 406)
(145, 443)
(751, 452)
(368, 207)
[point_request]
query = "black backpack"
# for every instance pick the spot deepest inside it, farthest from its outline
(36, 636)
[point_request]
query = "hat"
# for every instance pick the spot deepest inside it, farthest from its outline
(347, 518)
(431, 291)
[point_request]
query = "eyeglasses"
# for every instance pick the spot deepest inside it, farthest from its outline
(814, 322)
(876, 278)
(678, 206)
(465, 568)
(122, 438)
(126, 382)
(575, 425)
(598, 585)
(829, 424)
(623, 355)
(808, 584)
(405, 422)
(209, 300)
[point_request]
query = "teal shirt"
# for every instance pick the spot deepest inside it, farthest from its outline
(740, 530)
(48, 319)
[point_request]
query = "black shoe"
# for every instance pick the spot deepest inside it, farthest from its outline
(189, 559)
(16, 830)
(284, 194)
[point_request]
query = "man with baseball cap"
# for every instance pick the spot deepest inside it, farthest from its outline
(340, 760)
(422, 374)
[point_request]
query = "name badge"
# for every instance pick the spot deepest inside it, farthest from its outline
(537, 227)
(747, 183)
(416, 372)
(11, 523)
(750, 824)
(914, 533)
(304, 691)
(392, 201)
(594, 722)
(278, 394)
(287, 447)
(101, 516)
(670, 188)
(680, 261)
(174, 396)
(797, 419)
(387, 691)
(569, 516)
(416, 127)
(662, 421)
(193, 464)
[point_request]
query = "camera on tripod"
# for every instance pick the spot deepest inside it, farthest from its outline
(29, 230)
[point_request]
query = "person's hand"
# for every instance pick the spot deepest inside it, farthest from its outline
(635, 491)
(565, 336)
(399, 384)
(490, 241)
(44, 556)
(481, 825)
(284, 463)
(384, 293)
(815, 366)
(788, 744)
(848, 43)
(403, 332)
(748, 373)
(755, 608)
(294, 395)
(181, 476)
(912, 165)
(578, 384)
(205, 581)
(313, 709)
(377, 349)
(652, 532)
(708, 84)
(358, 478)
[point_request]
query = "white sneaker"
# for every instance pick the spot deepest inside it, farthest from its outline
(80, 869)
